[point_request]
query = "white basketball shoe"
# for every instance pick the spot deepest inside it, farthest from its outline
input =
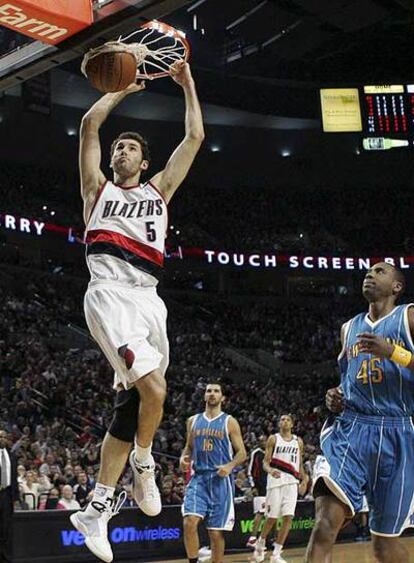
(145, 490)
(93, 524)
(259, 551)
(251, 542)
(204, 554)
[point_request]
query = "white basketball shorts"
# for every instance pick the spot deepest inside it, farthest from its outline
(130, 326)
(259, 505)
(281, 501)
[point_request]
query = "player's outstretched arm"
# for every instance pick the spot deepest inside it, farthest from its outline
(169, 179)
(239, 449)
(91, 174)
(185, 459)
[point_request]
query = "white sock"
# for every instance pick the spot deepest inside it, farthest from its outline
(102, 492)
(143, 455)
(277, 549)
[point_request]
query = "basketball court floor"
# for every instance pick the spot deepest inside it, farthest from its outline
(343, 553)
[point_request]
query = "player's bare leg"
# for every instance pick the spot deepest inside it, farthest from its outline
(331, 514)
(389, 550)
(284, 530)
(152, 390)
(191, 539)
(281, 538)
(260, 548)
(259, 516)
(256, 523)
(114, 455)
(267, 528)
(217, 545)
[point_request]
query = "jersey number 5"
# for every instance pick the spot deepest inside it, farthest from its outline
(151, 232)
(371, 370)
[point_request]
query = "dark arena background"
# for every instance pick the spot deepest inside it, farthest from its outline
(304, 181)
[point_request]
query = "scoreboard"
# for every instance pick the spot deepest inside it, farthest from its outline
(383, 111)
(389, 109)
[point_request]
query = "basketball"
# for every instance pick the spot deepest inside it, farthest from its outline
(112, 71)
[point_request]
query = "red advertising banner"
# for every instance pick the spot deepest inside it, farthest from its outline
(49, 21)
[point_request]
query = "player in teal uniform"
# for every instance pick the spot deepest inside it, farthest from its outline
(214, 448)
(369, 448)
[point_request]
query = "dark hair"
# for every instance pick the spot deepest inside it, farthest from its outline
(135, 137)
(399, 276)
(290, 415)
(216, 382)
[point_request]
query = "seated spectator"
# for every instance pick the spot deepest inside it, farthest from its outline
(30, 490)
(129, 501)
(86, 437)
(51, 501)
(50, 467)
(90, 472)
(21, 474)
(82, 490)
(77, 470)
(66, 501)
(90, 456)
(44, 484)
(167, 492)
(242, 483)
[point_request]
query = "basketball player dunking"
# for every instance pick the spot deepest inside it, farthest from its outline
(126, 223)
(283, 462)
(211, 438)
(369, 448)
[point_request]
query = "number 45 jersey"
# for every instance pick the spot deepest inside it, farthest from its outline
(129, 224)
(373, 385)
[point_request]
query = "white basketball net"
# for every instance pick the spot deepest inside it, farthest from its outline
(156, 47)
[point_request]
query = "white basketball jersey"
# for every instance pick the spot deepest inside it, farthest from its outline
(286, 460)
(129, 224)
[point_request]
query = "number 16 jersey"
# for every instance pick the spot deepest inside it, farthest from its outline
(211, 445)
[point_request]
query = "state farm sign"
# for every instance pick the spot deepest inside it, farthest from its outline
(50, 21)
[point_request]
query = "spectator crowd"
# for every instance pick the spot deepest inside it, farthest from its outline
(56, 392)
(56, 387)
(279, 220)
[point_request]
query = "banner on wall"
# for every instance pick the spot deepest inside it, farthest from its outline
(217, 257)
(134, 535)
